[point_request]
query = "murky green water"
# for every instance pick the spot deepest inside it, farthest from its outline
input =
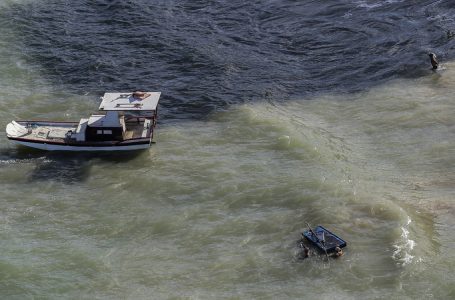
(214, 209)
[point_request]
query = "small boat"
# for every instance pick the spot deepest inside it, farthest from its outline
(125, 121)
(324, 239)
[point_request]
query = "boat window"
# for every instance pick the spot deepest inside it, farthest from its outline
(99, 131)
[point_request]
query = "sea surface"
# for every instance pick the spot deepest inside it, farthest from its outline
(273, 114)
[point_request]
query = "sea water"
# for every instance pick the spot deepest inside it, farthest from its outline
(215, 208)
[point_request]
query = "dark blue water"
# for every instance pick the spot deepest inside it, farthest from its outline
(206, 55)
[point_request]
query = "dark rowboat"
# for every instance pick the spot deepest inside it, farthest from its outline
(325, 240)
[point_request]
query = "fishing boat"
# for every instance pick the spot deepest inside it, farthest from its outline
(125, 121)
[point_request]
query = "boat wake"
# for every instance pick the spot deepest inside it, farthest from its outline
(24, 160)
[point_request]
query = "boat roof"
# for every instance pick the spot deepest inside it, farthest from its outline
(127, 102)
(110, 119)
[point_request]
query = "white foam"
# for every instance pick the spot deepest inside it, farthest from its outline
(404, 246)
(24, 160)
(368, 4)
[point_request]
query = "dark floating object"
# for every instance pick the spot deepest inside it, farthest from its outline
(324, 240)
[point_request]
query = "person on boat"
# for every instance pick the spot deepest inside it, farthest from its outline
(306, 251)
(433, 60)
(140, 95)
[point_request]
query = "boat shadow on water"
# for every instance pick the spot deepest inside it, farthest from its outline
(65, 167)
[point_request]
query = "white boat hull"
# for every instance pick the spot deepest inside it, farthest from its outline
(54, 147)
(58, 136)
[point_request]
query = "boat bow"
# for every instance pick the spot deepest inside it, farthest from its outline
(14, 129)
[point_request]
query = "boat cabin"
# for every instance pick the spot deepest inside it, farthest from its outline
(108, 127)
(122, 116)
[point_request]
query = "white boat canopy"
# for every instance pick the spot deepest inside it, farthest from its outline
(110, 119)
(146, 101)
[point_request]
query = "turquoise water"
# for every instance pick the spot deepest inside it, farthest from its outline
(215, 208)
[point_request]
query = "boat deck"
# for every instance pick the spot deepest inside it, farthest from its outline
(61, 131)
(136, 130)
(48, 131)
